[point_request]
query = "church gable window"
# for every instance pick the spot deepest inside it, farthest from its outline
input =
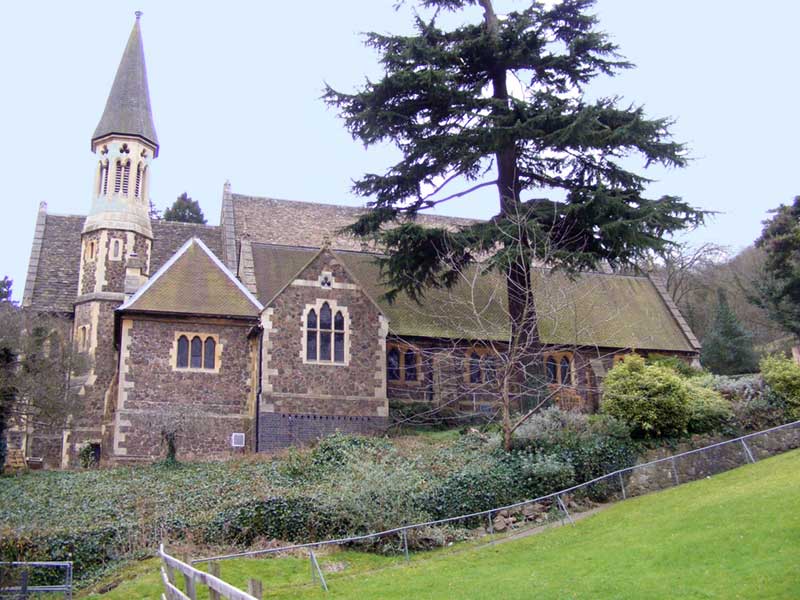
(196, 352)
(325, 336)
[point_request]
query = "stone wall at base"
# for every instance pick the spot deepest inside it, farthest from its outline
(280, 430)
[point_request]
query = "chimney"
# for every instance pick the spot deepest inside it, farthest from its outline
(134, 279)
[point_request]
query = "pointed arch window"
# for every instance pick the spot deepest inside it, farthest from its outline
(393, 364)
(325, 335)
(197, 352)
(126, 177)
(558, 368)
(311, 335)
(209, 353)
(338, 337)
(183, 352)
(403, 362)
(118, 177)
(137, 190)
(475, 368)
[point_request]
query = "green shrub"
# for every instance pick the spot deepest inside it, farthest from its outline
(782, 375)
(708, 410)
(339, 448)
(499, 480)
(594, 445)
(681, 367)
(652, 399)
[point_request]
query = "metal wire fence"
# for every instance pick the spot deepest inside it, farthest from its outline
(637, 480)
(29, 580)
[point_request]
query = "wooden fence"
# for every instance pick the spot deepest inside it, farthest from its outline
(217, 589)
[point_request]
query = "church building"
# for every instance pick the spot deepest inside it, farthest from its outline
(271, 329)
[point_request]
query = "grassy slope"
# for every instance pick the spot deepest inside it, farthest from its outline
(734, 536)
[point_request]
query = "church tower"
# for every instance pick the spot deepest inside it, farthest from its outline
(116, 240)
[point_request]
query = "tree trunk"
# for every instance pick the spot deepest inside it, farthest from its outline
(518, 275)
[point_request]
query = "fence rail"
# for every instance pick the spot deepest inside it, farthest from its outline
(616, 479)
(21, 580)
(192, 578)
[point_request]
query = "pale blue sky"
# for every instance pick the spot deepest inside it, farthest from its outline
(235, 90)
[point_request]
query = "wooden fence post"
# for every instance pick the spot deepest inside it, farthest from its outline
(213, 569)
(255, 589)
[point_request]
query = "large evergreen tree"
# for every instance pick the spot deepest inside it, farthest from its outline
(778, 289)
(185, 210)
(444, 102)
(728, 347)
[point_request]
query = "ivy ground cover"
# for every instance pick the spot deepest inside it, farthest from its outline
(736, 535)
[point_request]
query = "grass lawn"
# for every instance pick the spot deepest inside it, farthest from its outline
(734, 536)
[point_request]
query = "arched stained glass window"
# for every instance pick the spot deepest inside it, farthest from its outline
(209, 353)
(410, 359)
(551, 370)
(197, 353)
(564, 371)
(393, 364)
(183, 352)
(474, 368)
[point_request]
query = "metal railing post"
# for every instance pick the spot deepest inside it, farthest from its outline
(491, 524)
(564, 508)
(747, 452)
(622, 485)
(675, 472)
(405, 544)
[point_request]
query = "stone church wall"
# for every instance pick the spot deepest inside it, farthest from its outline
(205, 406)
(312, 399)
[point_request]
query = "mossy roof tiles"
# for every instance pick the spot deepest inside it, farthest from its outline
(590, 309)
(194, 281)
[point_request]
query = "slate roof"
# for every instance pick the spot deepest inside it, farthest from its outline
(194, 281)
(594, 309)
(52, 283)
(128, 109)
(54, 268)
(293, 223)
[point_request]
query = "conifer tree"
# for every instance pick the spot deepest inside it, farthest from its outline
(728, 347)
(444, 101)
(185, 210)
(778, 291)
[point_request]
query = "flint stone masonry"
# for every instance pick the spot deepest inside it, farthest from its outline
(209, 405)
(293, 387)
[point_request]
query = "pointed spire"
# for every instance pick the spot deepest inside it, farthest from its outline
(127, 109)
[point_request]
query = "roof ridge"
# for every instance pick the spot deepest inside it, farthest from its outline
(235, 196)
(182, 223)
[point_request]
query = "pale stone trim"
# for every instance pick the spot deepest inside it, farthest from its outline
(100, 259)
(313, 395)
(334, 306)
(335, 285)
(214, 415)
(380, 367)
(100, 296)
(36, 251)
(173, 353)
(661, 288)
(266, 354)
